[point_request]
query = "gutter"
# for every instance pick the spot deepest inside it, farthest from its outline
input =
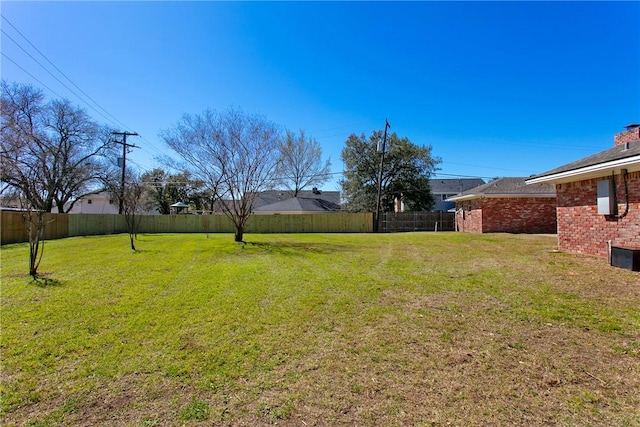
(462, 198)
(498, 196)
(632, 164)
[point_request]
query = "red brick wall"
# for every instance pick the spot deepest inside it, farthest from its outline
(509, 215)
(582, 230)
(469, 216)
(519, 215)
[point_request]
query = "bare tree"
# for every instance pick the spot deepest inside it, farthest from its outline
(300, 163)
(49, 150)
(24, 178)
(233, 153)
(133, 200)
(35, 223)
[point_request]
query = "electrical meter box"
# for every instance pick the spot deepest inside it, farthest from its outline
(607, 204)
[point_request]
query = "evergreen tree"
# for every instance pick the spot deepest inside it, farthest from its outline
(406, 172)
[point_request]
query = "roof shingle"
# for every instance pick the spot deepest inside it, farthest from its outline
(507, 187)
(300, 204)
(618, 152)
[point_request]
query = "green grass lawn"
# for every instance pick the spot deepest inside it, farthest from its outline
(318, 329)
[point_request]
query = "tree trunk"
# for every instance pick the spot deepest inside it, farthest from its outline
(33, 259)
(239, 233)
(35, 223)
(133, 247)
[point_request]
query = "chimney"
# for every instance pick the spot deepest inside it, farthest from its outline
(631, 133)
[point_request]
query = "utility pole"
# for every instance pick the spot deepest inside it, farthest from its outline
(381, 149)
(124, 161)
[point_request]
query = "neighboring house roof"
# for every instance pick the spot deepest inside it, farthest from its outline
(506, 187)
(453, 185)
(603, 163)
(300, 204)
(274, 196)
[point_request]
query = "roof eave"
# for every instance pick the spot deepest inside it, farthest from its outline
(462, 198)
(500, 196)
(632, 164)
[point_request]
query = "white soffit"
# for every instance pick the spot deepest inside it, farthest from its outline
(631, 164)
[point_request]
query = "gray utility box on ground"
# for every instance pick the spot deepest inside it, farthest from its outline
(625, 258)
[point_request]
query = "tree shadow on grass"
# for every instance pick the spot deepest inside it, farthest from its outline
(139, 251)
(297, 249)
(42, 281)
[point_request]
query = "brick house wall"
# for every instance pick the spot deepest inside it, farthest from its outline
(508, 215)
(520, 215)
(582, 230)
(469, 216)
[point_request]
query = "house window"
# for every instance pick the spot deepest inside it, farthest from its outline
(88, 201)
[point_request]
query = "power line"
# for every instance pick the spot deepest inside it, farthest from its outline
(61, 96)
(151, 145)
(111, 117)
(460, 176)
(483, 167)
(338, 127)
(31, 75)
(52, 75)
(54, 66)
(518, 142)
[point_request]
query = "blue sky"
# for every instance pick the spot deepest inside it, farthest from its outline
(496, 88)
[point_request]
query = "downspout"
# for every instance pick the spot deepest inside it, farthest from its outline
(624, 174)
(626, 193)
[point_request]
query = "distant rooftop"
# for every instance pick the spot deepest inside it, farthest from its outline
(453, 185)
(507, 187)
(300, 204)
(274, 196)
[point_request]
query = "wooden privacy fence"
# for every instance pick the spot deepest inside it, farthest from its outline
(14, 229)
(417, 221)
(68, 225)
